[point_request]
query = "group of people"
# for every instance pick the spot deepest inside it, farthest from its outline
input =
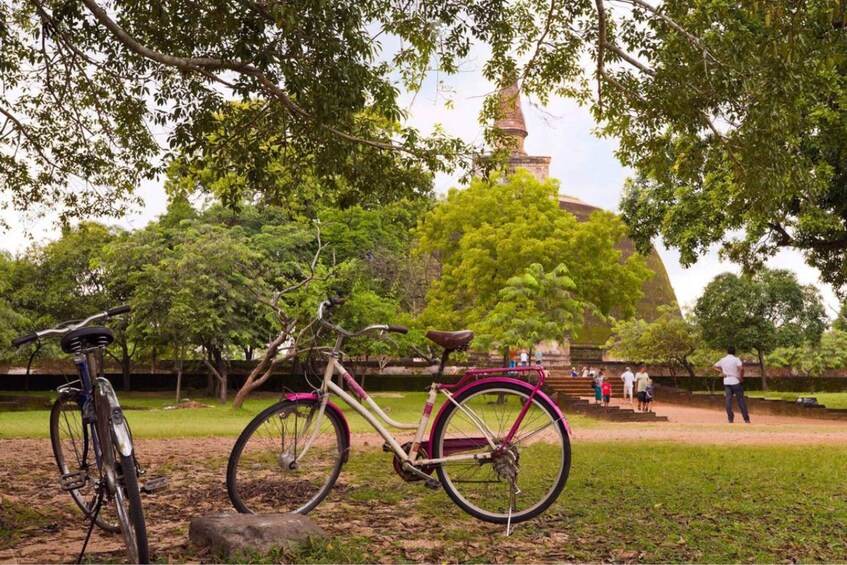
(643, 385)
(521, 358)
(730, 367)
(639, 382)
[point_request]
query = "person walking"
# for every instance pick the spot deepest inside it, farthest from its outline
(732, 370)
(641, 378)
(597, 384)
(539, 357)
(628, 379)
(524, 358)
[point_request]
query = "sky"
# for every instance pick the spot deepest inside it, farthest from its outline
(584, 164)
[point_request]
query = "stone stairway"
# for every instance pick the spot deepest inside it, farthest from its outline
(576, 396)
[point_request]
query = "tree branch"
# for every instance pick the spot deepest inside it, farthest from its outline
(601, 50)
(629, 59)
(205, 66)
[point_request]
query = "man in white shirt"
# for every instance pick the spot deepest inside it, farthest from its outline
(628, 378)
(732, 370)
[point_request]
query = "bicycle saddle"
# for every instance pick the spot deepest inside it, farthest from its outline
(86, 338)
(451, 340)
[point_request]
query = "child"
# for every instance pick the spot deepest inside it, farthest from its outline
(648, 396)
(607, 392)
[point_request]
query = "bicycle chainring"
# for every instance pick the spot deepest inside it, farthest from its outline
(406, 475)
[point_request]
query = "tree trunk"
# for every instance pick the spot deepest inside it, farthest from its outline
(262, 371)
(125, 366)
(222, 374)
(688, 367)
(178, 377)
(762, 369)
(217, 371)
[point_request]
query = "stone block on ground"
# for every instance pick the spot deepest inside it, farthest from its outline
(231, 534)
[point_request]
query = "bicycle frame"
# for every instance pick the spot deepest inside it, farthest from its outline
(93, 392)
(334, 367)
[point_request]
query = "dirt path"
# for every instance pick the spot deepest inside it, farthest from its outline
(196, 468)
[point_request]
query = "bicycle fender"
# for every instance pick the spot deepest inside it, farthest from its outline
(503, 380)
(123, 438)
(329, 406)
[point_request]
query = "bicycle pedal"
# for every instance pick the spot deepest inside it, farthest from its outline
(154, 483)
(432, 484)
(73, 481)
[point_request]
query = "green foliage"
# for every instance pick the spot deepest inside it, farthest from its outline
(508, 250)
(260, 165)
(533, 307)
(732, 115)
(738, 127)
(317, 103)
(761, 312)
(813, 359)
(12, 322)
(668, 340)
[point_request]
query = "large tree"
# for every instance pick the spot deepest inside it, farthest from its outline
(760, 313)
(670, 340)
(494, 231)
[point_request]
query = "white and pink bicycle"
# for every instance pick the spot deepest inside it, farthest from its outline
(499, 445)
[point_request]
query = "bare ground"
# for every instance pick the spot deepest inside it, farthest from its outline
(196, 468)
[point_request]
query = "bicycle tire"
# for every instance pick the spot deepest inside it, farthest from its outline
(540, 453)
(124, 493)
(260, 476)
(74, 453)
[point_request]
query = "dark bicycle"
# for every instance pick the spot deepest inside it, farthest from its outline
(91, 438)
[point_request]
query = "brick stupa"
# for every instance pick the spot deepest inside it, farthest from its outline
(657, 290)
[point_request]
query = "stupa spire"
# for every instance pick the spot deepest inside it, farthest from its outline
(511, 121)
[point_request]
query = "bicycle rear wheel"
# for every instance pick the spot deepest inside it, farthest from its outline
(515, 483)
(122, 478)
(286, 459)
(74, 453)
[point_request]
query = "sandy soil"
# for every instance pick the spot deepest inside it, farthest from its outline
(196, 468)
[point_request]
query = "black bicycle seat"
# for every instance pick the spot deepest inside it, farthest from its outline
(86, 338)
(451, 340)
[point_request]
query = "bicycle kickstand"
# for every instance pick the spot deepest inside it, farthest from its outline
(93, 520)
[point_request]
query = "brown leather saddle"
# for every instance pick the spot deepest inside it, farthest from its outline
(451, 341)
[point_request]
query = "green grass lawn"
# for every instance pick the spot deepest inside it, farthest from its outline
(148, 418)
(829, 399)
(653, 502)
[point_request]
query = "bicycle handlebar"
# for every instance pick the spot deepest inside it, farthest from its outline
(66, 327)
(19, 341)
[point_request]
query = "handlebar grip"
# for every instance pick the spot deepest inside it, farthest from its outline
(119, 310)
(19, 341)
(398, 329)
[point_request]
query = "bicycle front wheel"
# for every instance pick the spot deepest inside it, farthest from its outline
(74, 453)
(122, 478)
(287, 459)
(519, 478)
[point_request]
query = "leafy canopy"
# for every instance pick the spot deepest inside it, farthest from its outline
(516, 266)
(670, 339)
(768, 310)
